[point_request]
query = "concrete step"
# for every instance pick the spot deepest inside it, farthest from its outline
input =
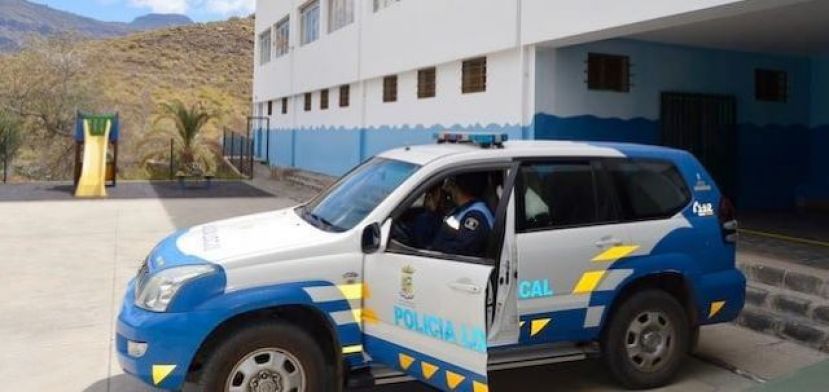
(787, 300)
(796, 329)
(315, 181)
(797, 279)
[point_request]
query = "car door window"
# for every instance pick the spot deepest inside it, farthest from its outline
(453, 216)
(561, 194)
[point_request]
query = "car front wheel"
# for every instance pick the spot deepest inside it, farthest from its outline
(267, 357)
(647, 340)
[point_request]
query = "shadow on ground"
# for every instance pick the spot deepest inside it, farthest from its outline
(64, 191)
(589, 375)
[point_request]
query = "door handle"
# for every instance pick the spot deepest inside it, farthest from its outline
(608, 241)
(465, 287)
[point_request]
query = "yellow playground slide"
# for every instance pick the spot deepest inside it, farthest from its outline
(93, 172)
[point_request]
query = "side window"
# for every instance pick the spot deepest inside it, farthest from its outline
(453, 216)
(561, 194)
(649, 189)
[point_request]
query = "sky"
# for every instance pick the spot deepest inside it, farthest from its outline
(127, 10)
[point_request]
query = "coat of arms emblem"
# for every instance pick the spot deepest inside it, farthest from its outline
(407, 289)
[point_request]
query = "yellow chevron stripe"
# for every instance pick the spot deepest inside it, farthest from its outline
(453, 379)
(428, 370)
(406, 361)
(615, 253)
(478, 387)
(369, 316)
(715, 309)
(351, 291)
(161, 372)
(588, 282)
(538, 325)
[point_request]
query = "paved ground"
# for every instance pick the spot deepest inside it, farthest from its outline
(66, 264)
(54, 191)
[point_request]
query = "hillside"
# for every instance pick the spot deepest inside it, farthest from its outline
(211, 63)
(21, 19)
(208, 62)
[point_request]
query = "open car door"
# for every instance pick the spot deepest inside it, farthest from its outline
(426, 316)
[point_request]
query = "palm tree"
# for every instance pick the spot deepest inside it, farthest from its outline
(195, 151)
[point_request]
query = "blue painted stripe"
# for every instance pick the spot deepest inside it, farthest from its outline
(388, 354)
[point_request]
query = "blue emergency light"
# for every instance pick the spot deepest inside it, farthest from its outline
(483, 140)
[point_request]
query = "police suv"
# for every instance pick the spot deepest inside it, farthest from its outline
(443, 263)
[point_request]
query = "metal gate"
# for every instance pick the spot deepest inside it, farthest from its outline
(705, 125)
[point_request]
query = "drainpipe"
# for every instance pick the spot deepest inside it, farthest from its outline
(524, 74)
(363, 93)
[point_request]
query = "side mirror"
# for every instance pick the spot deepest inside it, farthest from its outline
(371, 239)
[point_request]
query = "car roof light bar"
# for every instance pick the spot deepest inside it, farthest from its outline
(483, 140)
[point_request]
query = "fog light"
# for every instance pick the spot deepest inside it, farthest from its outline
(136, 349)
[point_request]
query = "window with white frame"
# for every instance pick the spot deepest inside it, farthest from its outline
(310, 17)
(380, 4)
(340, 14)
(282, 42)
(265, 47)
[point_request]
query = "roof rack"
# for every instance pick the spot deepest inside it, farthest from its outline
(483, 140)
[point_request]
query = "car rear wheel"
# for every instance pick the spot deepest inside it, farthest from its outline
(268, 357)
(647, 340)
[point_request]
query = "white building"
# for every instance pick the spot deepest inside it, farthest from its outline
(744, 84)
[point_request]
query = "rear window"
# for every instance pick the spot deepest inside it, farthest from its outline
(649, 189)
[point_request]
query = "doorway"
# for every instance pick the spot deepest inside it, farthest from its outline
(705, 125)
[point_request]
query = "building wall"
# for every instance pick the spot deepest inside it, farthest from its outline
(413, 34)
(533, 90)
(820, 128)
(347, 136)
(772, 136)
(402, 37)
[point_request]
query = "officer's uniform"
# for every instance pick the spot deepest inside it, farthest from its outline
(466, 230)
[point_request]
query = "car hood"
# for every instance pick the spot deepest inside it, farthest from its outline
(238, 239)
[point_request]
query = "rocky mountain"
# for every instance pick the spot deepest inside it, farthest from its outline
(21, 19)
(157, 21)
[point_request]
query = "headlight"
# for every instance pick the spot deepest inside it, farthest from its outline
(156, 293)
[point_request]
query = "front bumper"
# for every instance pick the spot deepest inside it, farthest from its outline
(172, 339)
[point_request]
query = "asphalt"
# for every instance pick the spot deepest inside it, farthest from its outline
(67, 263)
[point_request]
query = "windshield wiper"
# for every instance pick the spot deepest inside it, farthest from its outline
(319, 221)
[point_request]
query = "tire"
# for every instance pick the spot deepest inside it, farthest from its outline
(276, 352)
(693, 340)
(646, 340)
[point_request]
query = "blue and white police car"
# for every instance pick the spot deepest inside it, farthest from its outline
(443, 263)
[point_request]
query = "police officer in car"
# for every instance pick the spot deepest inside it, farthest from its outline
(465, 230)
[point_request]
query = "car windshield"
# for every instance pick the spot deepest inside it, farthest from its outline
(353, 197)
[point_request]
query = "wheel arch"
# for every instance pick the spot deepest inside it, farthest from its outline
(674, 283)
(306, 316)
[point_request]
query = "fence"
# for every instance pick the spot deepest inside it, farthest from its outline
(239, 151)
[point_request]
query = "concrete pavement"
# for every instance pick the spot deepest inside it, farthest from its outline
(66, 264)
